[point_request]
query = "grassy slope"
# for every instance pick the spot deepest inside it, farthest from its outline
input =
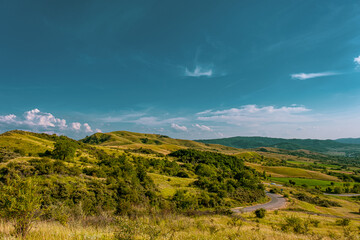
(292, 172)
(29, 142)
(159, 143)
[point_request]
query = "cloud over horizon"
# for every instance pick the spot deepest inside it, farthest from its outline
(253, 114)
(35, 120)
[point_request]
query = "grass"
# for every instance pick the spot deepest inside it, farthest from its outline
(178, 227)
(168, 185)
(309, 182)
(292, 172)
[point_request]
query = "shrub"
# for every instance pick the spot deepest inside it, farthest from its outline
(182, 174)
(260, 213)
(343, 222)
(296, 225)
(20, 202)
(315, 222)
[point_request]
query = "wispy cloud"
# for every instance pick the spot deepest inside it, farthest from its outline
(178, 127)
(203, 127)
(155, 121)
(199, 72)
(253, 114)
(305, 76)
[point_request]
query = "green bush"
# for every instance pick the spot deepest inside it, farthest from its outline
(343, 222)
(20, 202)
(296, 225)
(260, 213)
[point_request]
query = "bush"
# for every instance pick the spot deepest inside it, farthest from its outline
(343, 222)
(20, 202)
(296, 225)
(260, 213)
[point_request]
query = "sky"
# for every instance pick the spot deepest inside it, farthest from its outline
(187, 69)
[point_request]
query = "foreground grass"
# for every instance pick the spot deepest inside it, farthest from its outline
(179, 227)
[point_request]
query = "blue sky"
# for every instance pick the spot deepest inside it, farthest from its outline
(187, 69)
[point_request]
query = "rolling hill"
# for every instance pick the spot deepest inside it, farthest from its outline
(349, 140)
(159, 143)
(332, 147)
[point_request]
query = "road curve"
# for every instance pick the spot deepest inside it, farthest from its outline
(277, 202)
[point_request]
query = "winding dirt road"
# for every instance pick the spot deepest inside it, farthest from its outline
(276, 202)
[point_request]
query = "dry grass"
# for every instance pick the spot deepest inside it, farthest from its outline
(181, 227)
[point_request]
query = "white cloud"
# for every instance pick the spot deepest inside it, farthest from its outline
(178, 127)
(98, 130)
(11, 118)
(87, 127)
(252, 114)
(305, 76)
(204, 112)
(76, 126)
(203, 127)
(199, 72)
(37, 118)
(357, 60)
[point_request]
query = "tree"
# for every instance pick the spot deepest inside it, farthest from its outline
(64, 149)
(20, 203)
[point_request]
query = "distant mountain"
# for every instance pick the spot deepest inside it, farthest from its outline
(349, 140)
(323, 146)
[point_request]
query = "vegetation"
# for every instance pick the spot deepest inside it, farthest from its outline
(124, 185)
(20, 202)
(322, 146)
(260, 213)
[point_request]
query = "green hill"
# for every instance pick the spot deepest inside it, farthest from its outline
(323, 146)
(159, 143)
(349, 140)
